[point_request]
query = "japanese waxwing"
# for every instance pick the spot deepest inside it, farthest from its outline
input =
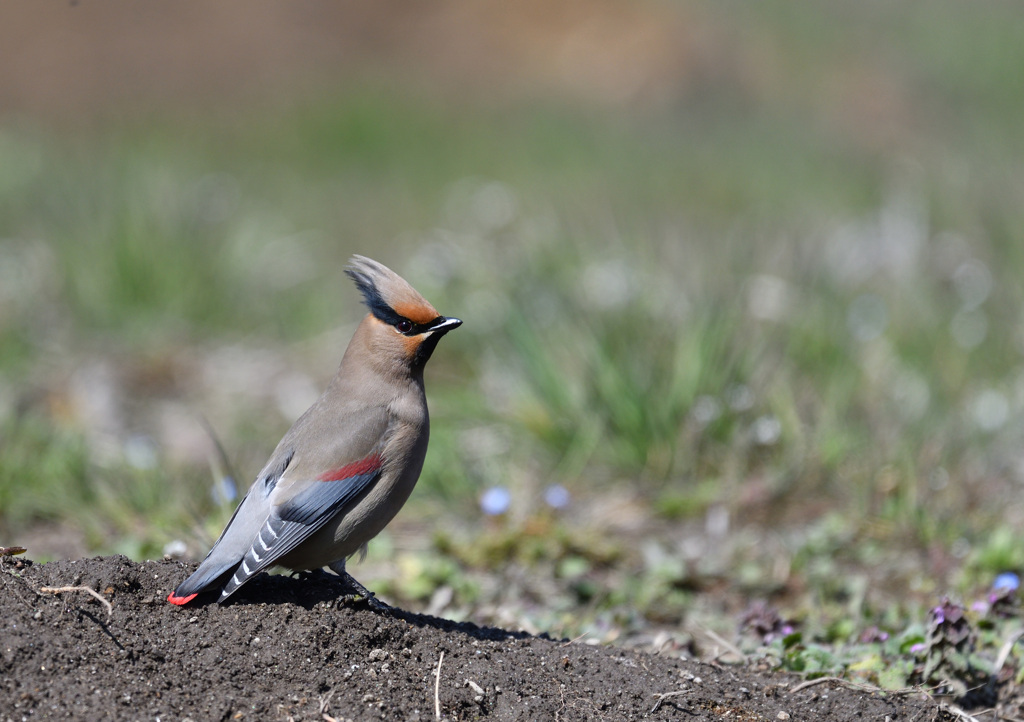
(349, 463)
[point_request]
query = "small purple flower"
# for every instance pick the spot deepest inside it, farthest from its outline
(949, 623)
(765, 621)
(918, 648)
(873, 634)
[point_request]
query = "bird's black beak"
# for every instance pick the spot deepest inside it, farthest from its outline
(431, 335)
(443, 325)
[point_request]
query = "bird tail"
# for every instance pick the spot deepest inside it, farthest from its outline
(227, 555)
(204, 578)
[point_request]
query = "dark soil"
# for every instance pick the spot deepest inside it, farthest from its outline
(287, 648)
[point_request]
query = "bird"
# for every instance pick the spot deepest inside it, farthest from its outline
(349, 463)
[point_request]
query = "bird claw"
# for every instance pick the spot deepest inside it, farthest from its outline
(359, 592)
(369, 600)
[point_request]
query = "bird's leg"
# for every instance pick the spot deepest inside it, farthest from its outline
(360, 591)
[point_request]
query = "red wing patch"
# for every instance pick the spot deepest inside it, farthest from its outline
(357, 468)
(181, 600)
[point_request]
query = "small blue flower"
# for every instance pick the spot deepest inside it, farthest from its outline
(1007, 580)
(495, 501)
(224, 490)
(557, 496)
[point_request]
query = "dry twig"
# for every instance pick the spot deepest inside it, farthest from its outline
(325, 703)
(90, 590)
(662, 696)
(957, 712)
(812, 682)
(849, 684)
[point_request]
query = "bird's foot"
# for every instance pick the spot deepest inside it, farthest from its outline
(360, 593)
(369, 599)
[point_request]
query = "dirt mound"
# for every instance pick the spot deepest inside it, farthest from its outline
(286, 648)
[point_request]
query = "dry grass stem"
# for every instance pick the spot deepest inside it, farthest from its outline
(437, 689)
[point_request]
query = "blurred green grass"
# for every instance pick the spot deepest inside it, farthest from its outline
(763, 305)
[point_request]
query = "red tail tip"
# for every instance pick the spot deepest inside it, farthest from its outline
(181, 600)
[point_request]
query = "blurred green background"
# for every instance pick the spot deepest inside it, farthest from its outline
(741, 285)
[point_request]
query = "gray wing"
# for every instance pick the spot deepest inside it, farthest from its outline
(302, 515)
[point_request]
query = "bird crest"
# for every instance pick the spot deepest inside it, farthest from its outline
(389, 296)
